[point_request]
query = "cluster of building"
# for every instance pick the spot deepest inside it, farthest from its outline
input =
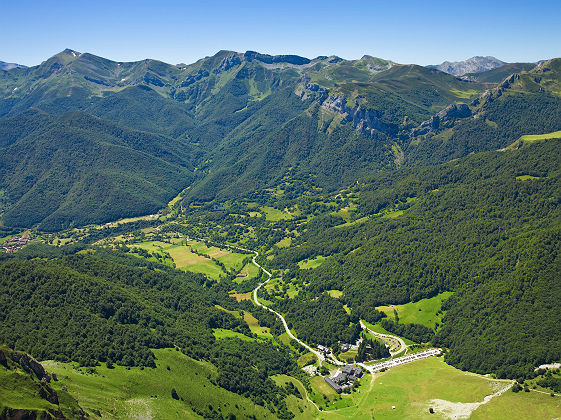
(15, 243)
(345, 378)
(345, 347)
(324, 350)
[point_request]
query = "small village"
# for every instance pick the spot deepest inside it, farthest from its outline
(15, 243)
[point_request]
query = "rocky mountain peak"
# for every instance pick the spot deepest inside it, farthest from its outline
(471, 65)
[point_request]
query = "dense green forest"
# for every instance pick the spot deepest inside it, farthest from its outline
(107, 306)
(414, 332)
(475, 226)
(320, 320)
(60, 172)
(371, 350)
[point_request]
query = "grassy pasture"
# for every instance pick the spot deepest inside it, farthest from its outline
(525, 405)
(464, 94)
(532, 138)
(146, 393)
(526, 177)
(529, 138)
(312, 263)
(421, 312)
(241, 296)
(284, 242)
(250, 270)
(222, 333)
(184, 258)
(392, 214)
(187, 260)
(348, 355)
(411, 387)
(356, 222)
(335, 293)
(274, 215)
(232, 260)
(307, 359)
(255, 327)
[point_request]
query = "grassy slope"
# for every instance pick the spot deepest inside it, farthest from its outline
(411, 387)
(312, 263)
(535, 137)
(421, 312)
(119, 392)
(122, 393)
(19, 390)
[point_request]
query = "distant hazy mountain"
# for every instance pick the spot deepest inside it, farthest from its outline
(471, 65)
(9, 66)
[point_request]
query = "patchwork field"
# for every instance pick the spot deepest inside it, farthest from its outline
(187, 260)
(186, 256)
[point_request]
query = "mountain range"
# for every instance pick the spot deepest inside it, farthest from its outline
(323, 122)
(338, 193)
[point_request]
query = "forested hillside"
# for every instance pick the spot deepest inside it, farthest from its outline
(486, 227)
(246, 122)
(525, 103)
(106, 306)
(59, 172)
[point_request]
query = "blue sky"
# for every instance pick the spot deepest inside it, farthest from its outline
(422, 32)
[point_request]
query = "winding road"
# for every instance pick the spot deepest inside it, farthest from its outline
(321, 357)
(402, 345)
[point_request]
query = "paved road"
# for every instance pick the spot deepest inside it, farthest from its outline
(402, 345)
(331, 358)
(319, 356)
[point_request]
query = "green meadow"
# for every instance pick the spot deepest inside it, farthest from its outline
(146, 393)
(312, 263)
(529, 138)
(410, 390)
(422, 312)
(274, 215)
(186, 256)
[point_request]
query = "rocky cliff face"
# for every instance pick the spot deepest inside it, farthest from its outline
(492, 94)
(443, 119)
(23, 364)
(365, 121)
